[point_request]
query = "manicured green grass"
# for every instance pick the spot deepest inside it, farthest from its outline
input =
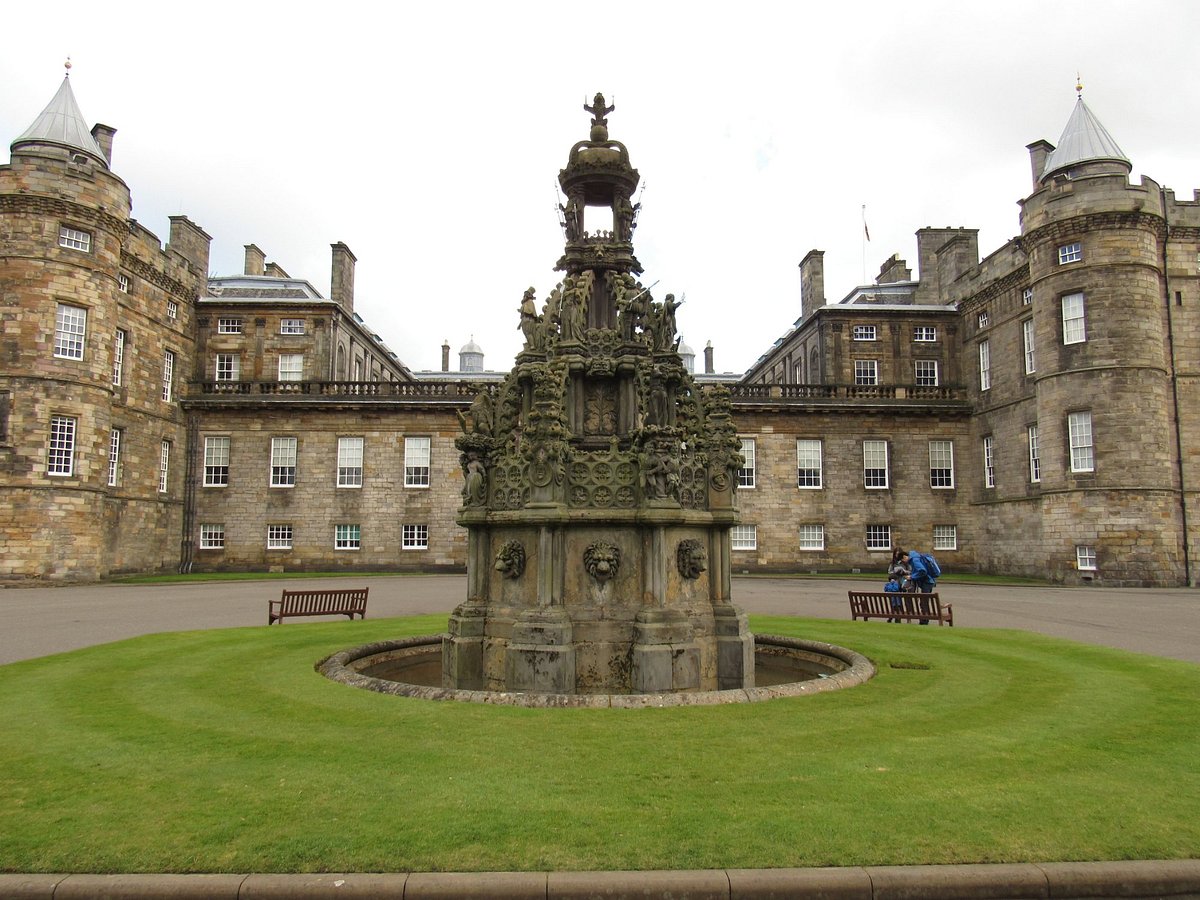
(224, 751)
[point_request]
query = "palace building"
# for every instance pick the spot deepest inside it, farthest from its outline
(1033, 412)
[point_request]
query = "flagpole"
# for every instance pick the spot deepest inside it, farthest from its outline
(865, 238)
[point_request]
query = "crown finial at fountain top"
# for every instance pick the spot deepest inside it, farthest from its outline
(599, 118)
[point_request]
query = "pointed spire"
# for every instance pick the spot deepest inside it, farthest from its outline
(1083, 140)
(62, 124)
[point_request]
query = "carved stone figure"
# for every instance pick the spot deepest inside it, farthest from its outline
(571, 220)
(691, 558)
(602, 560)
(665, 336)
(510, 561)
(598, 110)
(571, 314)
(475, 484)
(530, 322)
(481, 413)
(626, 218)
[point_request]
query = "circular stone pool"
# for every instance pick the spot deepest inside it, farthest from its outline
(783, 667)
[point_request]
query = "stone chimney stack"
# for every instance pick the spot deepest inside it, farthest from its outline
(812, 282)
(893, 270)
(708, 359)
(256, 260)
(1038, 152)
(104, 137)
(341, 289)
(958, 255)
(275, 270)
(446, 354)
(190, 241)
(930, 269)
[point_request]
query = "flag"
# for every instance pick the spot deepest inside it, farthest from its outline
(866, 230)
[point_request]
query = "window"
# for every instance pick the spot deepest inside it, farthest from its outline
(746, 472)
(164, 466)
(1035, 461)
(744, 537)
(229, 367)
(1069, 253)
(925, 333)
(350, 462)
(416, 462)
(863, 332)
(279, 537)
(118, 357)
(414, 537)
(808, 464)
(866, 371)
(1027, 297)
(216, 461)
(73, 239)
(812, 537)
(70, 323)
(985, 366)
(283, 462)
(879, 537)
(941, 464)
(1074, 319)
(875, 464)
(212, 537)
(1027, 338)
(172, 309)
(114, 456)
(358, 368)
(982, 320)
(1079, 428)
(989, 462)
(291, 326)
(168, 374)
(945, 537)
(347, 537)
(229, 326)
(291, 366)
(1085, 558)
(60, 458)
(926, 372)
(123, 282)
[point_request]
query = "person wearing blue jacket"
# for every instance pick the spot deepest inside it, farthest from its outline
(925, 572)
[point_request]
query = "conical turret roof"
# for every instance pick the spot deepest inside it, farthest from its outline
(1083, 140)
(61, 123)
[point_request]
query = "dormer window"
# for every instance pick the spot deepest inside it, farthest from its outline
(1069, 253)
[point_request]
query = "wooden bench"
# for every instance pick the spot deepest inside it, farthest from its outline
(878, 605)
(318, 603)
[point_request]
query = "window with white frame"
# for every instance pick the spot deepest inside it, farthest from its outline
(164, 465)
(1074, 319)
(1027, 340)
(414, 537)
(1035, 460)
(350, 462)
(70, 326)
(941, 464)
(229, 367)
(985, 366)
(808, 464)
(744, 537)
(114, 456)
(416, 462)
(212, 537)
(926, 372)
(74, 239)
(122, 282)
(747, 471)
(279, 537)
(168, 374)
(879, 537)
(989, 462)
(1069, 253)
(216, 461)
(172, 309)
(347, 537)
(983, 319)
(283, 462)
(866, 371)
(118, 357)
(1079, 431)
(945, 537)
(291, 366)
(229, 326)
(812, 537)
(875, 464)
(924, 333)
(1027, 297)
(60, 455)
(1085, 558)
(291, 326)
(863, 332)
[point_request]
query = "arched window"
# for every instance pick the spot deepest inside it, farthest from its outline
(341, 364)
(814, 367)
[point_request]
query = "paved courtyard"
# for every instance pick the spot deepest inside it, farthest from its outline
(43, 620)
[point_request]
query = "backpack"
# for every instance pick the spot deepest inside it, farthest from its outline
(892, 587)
(924, 566)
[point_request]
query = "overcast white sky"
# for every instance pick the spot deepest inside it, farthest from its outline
(428, 137)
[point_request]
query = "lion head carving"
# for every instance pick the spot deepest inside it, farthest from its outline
(510, 561)
(602, 560)
(691, 558)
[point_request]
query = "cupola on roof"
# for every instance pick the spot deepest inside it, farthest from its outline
(1083, 140)
(62, 124)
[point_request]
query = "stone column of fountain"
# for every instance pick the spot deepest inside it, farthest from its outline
(600, 482)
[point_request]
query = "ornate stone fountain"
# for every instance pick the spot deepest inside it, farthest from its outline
(599, 482)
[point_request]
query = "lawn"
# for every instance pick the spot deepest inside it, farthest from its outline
(222, 751)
